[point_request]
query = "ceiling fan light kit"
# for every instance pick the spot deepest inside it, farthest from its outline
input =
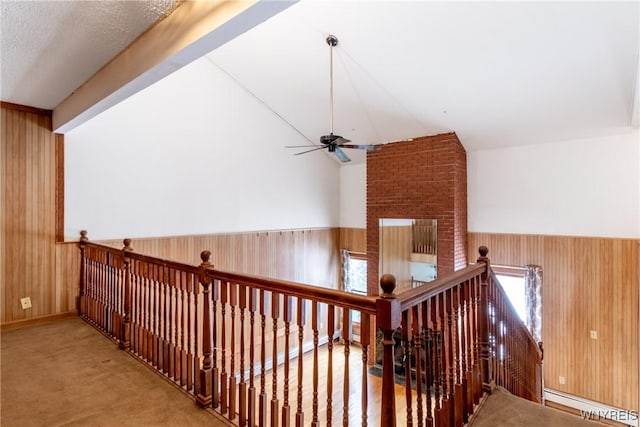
(335, 143)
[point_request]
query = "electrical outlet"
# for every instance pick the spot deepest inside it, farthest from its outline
(25, 302)
(594, 335)
(561, 380)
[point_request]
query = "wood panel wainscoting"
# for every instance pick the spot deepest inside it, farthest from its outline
(304, 255)
(589, 283)
(354, 239)
(397, 243)
(31, 263)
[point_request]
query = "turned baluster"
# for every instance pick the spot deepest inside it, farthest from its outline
(180, 350)
(467, 406)
(162, 321)
(331, 327)
(135, 307)
(315, 322)
(147, 307)
(449, 342)
(287, 313)
(191, 284)
(417, 352)
(458, 327)
(301, 313)
(365, 341)
(251, 413)
(242, 388)
(427, 333)
(171, 327)
(224, 394)
(476, 385)
(233, 302)
(215, 380)
(155, 312)
(437, 361)
(197, 352)
(275, 314)
(262, 407)
(346, 338)
(406, 345)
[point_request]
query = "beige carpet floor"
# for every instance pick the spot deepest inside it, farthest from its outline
(65, 373)
(505, 410)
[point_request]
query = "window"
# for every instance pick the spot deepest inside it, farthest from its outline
(514, 287)
(357, 273)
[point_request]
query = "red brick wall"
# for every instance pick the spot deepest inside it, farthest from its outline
(423, 178)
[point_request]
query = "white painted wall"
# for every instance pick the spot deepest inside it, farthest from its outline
(353, 196)
(169, 161)
(132, 172)
(588, 187)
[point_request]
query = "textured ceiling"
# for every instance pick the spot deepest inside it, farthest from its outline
(49, 48)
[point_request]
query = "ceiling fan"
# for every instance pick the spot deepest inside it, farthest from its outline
(334, 143)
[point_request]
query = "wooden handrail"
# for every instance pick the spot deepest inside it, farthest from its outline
(365, 304)
(338, 298)
(414, 296)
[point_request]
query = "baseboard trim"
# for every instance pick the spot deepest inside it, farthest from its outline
(591, 410)
(36, 320)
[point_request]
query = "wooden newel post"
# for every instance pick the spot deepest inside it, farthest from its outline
(125, 342)
(83, 282)
(388, 317)
(204, 396)
(483, 318)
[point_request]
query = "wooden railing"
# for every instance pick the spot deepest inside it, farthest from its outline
(460, 335)
(239, 343)
(424, 236)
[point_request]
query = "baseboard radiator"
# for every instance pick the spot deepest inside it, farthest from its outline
(591, 410)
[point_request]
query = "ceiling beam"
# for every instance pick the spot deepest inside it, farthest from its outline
(192, 30)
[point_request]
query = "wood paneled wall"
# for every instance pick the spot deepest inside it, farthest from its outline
(30, 261)
(354, 239)
(306, 256)
(395, 254)
(588, 284)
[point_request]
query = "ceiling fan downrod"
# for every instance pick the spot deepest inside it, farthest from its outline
(332, 41)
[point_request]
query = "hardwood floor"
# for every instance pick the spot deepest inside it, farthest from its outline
(349, 398)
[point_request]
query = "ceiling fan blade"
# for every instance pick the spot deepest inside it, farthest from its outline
(314, 149)
(341, 141)
(363, 147)
(341, 155)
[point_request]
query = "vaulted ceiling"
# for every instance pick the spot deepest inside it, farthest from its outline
(497, 73)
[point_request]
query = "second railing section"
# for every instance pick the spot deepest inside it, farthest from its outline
(261, 352)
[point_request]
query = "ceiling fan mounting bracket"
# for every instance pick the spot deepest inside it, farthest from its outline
(328, 139)
(332, 40)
